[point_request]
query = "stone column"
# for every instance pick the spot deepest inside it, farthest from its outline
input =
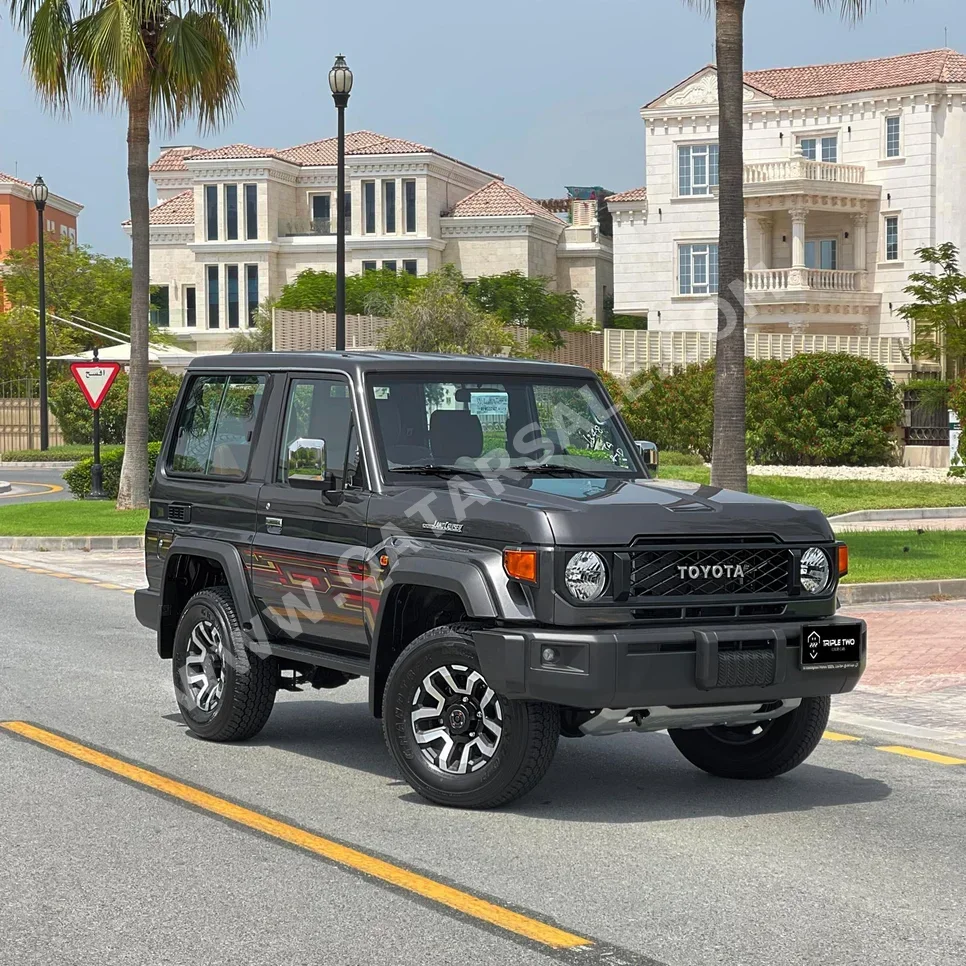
(860, 221)
(797, 276)
(765, 228)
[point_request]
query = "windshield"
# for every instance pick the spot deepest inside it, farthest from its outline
(449, 424)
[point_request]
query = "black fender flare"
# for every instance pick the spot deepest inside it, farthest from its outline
(463, 578)
(228, 557)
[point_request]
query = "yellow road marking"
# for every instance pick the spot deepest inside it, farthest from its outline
(835, 736)
(48, 489)
(421, 885)
(924, 755)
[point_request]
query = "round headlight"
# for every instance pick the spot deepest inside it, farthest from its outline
(815, 571)
(586, 575)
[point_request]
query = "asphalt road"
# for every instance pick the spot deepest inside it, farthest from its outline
(855, 858)
(33, 485)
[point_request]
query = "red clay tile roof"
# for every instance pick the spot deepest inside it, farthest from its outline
(313, 153)
(172, 159)
(499, 198)
(635, 194)
(10, 179)
(929, 67)
(179, 210)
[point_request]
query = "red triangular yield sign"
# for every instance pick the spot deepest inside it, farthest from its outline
(95, 379)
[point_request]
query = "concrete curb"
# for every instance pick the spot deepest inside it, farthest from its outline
(887, 516)
(38, 465)
(5, 487)
(904, 590)
(862, 722)
(71, 543)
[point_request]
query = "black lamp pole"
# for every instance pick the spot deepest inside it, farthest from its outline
(340, 83)
(40, 193)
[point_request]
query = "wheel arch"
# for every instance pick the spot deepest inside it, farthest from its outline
(191, 565)
(419, 595)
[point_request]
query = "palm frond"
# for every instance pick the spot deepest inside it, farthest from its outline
(851, 11)
(196, 72)
(46, 25)
(110, 54)
(243, 20)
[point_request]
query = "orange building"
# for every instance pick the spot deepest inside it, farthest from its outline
(18, 218)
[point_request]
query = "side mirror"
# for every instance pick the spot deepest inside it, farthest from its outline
(305, 463)
(648, 451)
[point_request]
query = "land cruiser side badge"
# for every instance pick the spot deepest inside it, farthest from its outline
(438, 526)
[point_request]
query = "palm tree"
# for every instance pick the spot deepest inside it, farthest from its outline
(728, 462)
(163, 61)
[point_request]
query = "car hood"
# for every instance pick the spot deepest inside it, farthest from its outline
(602, 512)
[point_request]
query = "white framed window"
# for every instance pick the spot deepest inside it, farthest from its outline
(697, 169)
(825, 148)
(893, 136)
(697, 268)
(891, 247)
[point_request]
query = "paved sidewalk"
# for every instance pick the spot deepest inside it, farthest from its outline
(122, 567)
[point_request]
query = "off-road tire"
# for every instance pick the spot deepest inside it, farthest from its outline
(522, 757)
(784, 744)
(250, 681)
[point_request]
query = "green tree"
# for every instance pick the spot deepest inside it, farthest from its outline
(258, 339)
(729, 465)
(938, 309)
(371, 293)
(527, 301)
(79, 282)
(161, 61)
(440, 318)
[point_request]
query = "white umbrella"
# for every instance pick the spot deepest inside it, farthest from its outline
(170, 357)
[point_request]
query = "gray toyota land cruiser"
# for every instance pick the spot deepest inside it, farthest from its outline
(484, 541)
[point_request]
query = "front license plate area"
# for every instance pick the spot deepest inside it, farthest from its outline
(829, 646)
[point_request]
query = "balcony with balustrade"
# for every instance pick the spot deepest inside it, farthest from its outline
(800, 176)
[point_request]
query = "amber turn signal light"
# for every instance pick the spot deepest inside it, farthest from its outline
(843, 559)
(521, 565)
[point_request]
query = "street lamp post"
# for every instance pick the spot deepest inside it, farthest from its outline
(40, 193)
(340, 83)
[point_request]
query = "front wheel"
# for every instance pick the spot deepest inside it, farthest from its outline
(765, 750)
(455, 740)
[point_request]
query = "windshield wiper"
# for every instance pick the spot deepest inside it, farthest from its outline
(549, 469)
(432, 470)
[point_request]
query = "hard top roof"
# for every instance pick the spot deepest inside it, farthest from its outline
(359, 361)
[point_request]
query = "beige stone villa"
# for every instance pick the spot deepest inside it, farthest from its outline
(233, 225)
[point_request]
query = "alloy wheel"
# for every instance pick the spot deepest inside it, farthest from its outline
(205, 666)
(457, 719)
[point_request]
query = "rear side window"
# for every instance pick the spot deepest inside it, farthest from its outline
(216, 426)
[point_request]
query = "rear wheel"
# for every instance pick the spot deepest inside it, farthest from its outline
(455, 740)
(224, 691)
(763, 750)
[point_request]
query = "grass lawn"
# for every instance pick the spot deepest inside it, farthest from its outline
(56, 454)
(905, 555)
(836, 496)
(70, 518)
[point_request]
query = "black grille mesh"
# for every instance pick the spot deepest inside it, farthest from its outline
(656, 572)
(745, 669)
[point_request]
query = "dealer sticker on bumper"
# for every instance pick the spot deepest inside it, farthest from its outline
(831, 646)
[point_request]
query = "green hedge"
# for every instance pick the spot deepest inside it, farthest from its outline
(79, 477)
(56, 454)
(77, 421)
(957, 403)
(829, 409)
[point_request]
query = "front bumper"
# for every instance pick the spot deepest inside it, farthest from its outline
(147, 607)
(640, 667)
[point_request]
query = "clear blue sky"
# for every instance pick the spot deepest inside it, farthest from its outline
(545, 92)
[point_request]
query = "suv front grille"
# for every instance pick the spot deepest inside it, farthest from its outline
(682, 571)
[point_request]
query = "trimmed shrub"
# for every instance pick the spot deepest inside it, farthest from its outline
(670, 457)
(673, 410)
(79, 478)
(77, 421)
(813, 410)
(957, 403)
(823, 409)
